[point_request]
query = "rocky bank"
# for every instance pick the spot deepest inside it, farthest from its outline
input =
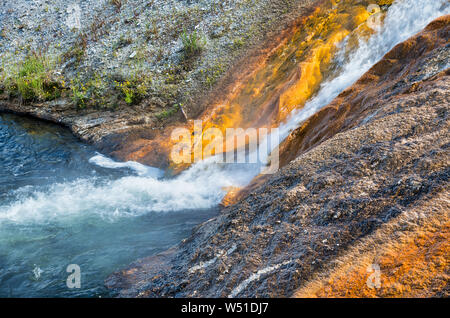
(365, 183)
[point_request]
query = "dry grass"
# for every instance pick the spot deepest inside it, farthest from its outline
(117, 4)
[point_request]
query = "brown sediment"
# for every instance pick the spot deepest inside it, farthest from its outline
(263, 92)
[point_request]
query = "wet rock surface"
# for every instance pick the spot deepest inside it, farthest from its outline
(382, 155)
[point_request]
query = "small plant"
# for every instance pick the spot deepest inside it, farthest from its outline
(89, 93)
(151, 30)
(122, 42)
(238, 43)
(32, 80)
(193, 44)
(79, 93)
(97, 29)
(168, 112)
(134, 89)
(212, 75)
(76, 53)
(127, 91)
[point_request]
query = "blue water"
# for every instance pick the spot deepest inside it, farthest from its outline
(38, 241)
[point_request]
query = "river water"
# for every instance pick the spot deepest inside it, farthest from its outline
(40, 235)
(62, 203)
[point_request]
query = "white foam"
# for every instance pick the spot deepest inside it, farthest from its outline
(200, 187)
(140, 169)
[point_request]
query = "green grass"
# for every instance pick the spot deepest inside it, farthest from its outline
(193, 44)
(134, 89)
(89, 93)
(32, 80)
(168, 112)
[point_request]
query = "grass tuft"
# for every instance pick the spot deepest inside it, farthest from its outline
(193, 44)
(32, 80)
(168, 112)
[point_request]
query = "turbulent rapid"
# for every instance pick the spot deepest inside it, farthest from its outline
(102, 207)
(57, 210)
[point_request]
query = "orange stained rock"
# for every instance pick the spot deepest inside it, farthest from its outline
(287, 78)
(414, 265)
(310, 75)
(413, 254)
(230, 198)
(281, 81)
(349, 108)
